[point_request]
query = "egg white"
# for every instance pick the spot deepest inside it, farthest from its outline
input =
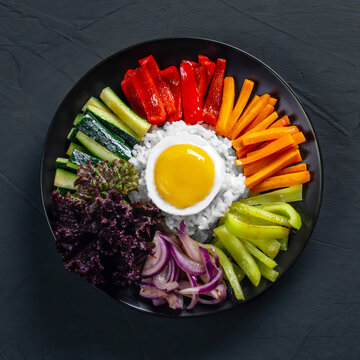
(183, 138)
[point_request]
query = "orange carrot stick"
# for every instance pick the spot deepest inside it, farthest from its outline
(267, 134)
(241, 102)
(265, 123)
(292, 169)
(268, 109)
(270, 149)
(287, 158)
(272, 101)
(284, 121)
(246, 119)
(238, 144)
(227, 104)
(281, 181)
(298, 138)
(256, 166)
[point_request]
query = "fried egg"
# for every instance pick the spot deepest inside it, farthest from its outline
(183, 174)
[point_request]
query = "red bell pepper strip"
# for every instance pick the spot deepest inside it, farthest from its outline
(201, 80)
(189, 94)
(209, 66)
(210, 111)
(132, 96)
(172, 78)
(166, 96)
(149, 96)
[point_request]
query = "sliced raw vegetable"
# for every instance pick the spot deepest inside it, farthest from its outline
(239, 253)
(230, 274)
(102, 113)
(189, 94)
(267, 111)
(284, 121)
(226, 105)
(273, 147)
(247, 231)
(283, 243)
(241, 102)
(249, 116)
(260, 213)
(73, 146)
(256, 166)
(79, 158)
(78, 118)
(287, 158)
(64, 179)
(61, 163)
(283, 209)
(96, 149)
(139, 125)
(289, 194)
(104, 137)
(267, 272)
(150, 65)
(292, 169)
(280, 181)
(210, 111)
(131, 94)
(254, 251)
(172, 77)
(269, 247)
(255, 136)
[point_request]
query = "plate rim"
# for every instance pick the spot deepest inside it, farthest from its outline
(300, 104)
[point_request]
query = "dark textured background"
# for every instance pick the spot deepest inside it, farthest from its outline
(47, 313)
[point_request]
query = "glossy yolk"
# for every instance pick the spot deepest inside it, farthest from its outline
(184, 175)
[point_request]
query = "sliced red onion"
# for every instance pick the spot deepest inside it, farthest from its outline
(203, 288)
(161, 280)
(210, 269)
(212, 248)
(174, 270)
(219, 294)
(191, 247)
(158, 302)
(156, 262)
(151, 292)
(194, 297)
(185, 263)
(168, 238)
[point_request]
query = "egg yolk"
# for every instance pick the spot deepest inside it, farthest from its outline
(184, 175)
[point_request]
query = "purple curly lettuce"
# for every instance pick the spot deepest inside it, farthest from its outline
(104, 239)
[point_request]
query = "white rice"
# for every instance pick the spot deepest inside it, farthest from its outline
(233, 187)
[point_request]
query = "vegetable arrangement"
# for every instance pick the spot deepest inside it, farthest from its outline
(181, 267)
(109, 240)
(253, 232)
(264, 145)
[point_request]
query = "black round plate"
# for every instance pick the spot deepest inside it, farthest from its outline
(241, 65)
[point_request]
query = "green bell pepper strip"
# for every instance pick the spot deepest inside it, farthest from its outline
(255, 252)
(269, 247)
(247, 231)
(266, 272)
(283, 243)
(260, 213)
(227, 266)
(238, 271)
(289, 194)
(239, 253)
(281, 208)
